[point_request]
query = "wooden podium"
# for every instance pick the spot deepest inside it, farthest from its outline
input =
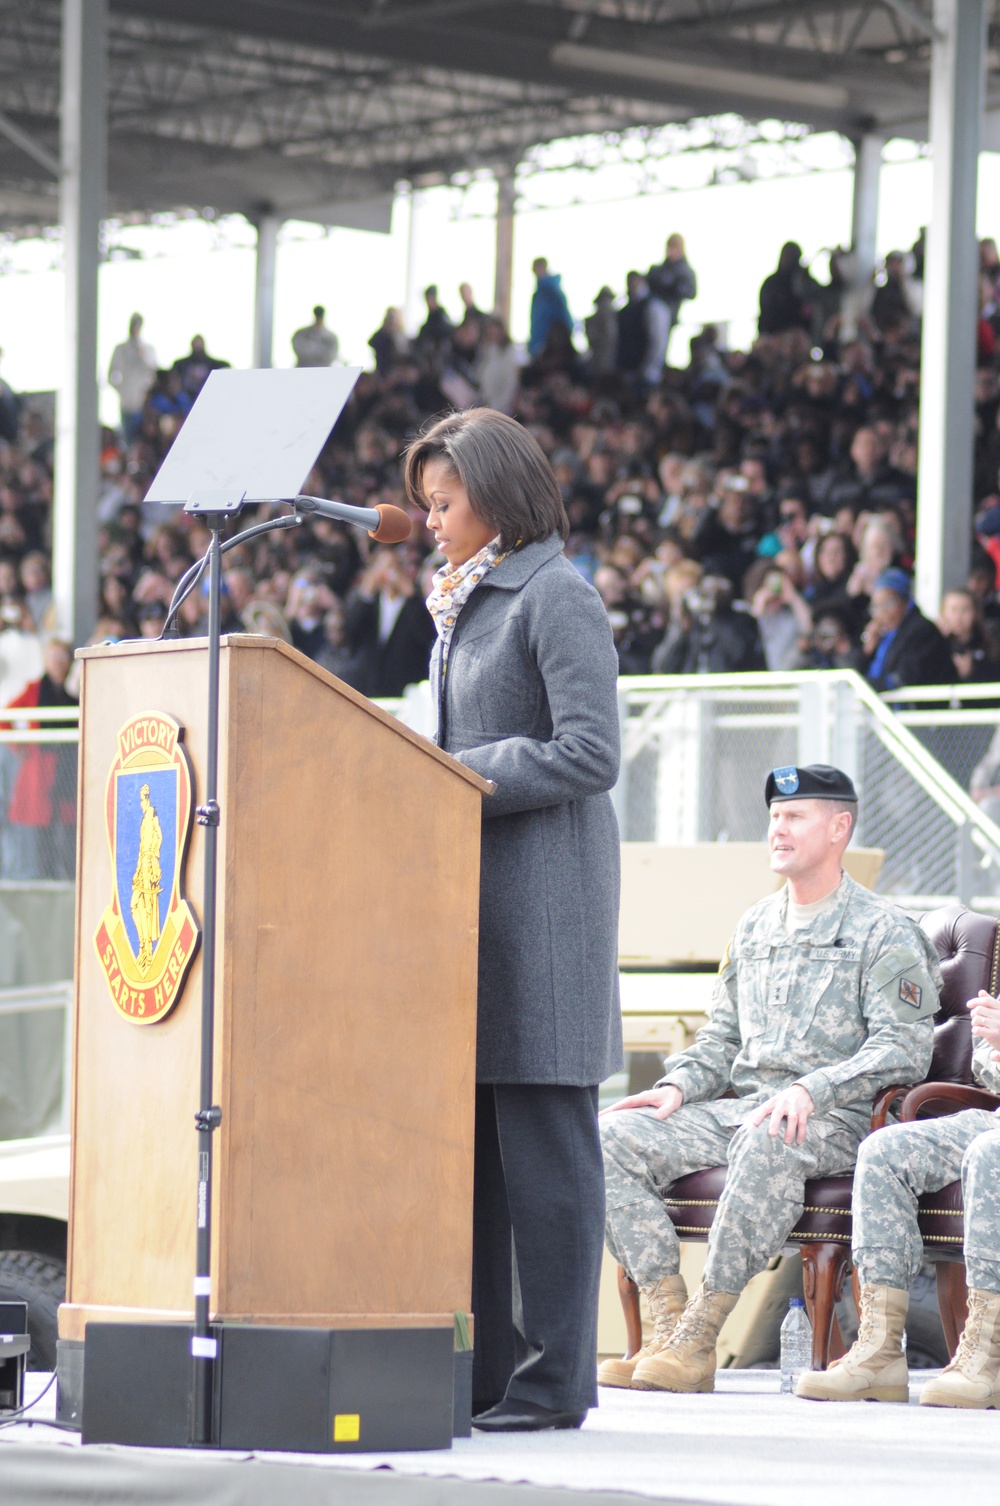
(345, 1013)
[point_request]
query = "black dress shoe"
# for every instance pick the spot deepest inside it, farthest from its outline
(512, 1416)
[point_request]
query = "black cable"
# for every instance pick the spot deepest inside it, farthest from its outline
(41, 1422)
(8, 1418)
(192, 576)
(187, 583)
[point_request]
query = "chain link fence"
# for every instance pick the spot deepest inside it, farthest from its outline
(697, 750)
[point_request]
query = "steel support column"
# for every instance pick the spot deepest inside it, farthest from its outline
(944, 517)
(268, 226)
(864, 207)
(413, 310)
(505, 245)
(83, 157)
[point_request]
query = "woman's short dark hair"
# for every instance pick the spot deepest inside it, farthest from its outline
(501, 466)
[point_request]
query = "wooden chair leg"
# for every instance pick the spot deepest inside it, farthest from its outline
(629, 1293)
(824, 1266)
(953, 1300)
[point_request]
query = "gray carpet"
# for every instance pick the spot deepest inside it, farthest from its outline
(743, 1446)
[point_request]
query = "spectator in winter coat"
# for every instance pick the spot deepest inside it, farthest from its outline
(643, 330)
(314, 344)
(387, 627)
(548, 306)
(434, 339)
(196, 367)
(672, 282)
(709, 636)
(902, 646)
(390, 342)
(970, 649)
(601, 328)
(784, 303)
(41, 820)
(132, 372)
(496, 368)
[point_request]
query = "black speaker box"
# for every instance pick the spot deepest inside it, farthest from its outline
(295, 1390)
(14, 1346)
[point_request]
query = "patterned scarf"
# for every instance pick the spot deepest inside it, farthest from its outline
(454, 585)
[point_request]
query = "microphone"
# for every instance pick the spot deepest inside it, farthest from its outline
(385, 524)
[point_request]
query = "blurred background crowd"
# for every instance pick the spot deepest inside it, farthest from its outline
(736, 510)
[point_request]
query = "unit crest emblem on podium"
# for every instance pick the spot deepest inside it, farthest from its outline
(148, 935)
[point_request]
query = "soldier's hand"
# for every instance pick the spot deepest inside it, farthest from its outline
(664, 1100)
(985, 1017)
(793, 1105)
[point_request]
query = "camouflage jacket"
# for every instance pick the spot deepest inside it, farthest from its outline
(984, 1068)
(843, 1007)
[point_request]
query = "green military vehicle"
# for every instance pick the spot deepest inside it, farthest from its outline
(36, 968)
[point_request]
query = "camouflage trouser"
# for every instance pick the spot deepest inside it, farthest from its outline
(763, 1195)
(897, 1164)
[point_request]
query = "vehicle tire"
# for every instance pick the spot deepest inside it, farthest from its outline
(39, 1280)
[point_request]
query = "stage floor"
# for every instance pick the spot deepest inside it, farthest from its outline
(746, 1445)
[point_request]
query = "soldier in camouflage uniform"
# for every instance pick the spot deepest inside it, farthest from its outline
(894, 1167)
(825, 996)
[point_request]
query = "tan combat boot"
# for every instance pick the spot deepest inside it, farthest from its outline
(687, 1360)
(666, 1303)
(874, 1368)
(973, 1377)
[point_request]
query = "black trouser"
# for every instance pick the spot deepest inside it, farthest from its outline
(538, 1238)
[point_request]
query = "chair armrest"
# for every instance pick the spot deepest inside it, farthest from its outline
(884, 1102)
(946, 1098)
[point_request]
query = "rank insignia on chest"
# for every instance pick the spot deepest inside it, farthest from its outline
(148, 935)
(910, 993)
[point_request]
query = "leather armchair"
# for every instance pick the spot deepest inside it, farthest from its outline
(949, 1089)
(970, 959)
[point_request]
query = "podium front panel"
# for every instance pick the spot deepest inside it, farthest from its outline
(345, 1013)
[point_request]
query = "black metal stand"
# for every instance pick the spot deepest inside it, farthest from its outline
(209, 1115)
(204, 1345)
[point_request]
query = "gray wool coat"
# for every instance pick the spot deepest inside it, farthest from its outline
(529, 700)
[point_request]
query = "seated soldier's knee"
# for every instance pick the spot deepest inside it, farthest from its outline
(755, 1142)
(983, 1156)
(616, 1131)
(882, 1148)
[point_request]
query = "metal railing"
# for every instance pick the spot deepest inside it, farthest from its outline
(34, 1082)
(697, 749)
(38, 769)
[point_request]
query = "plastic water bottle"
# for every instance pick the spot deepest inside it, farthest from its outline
(796, 1345)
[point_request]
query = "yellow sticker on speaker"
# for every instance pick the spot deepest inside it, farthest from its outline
(346, 1427)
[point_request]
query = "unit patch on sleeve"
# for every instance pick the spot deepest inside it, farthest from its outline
(910, 993)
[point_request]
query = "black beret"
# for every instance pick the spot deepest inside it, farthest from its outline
(814, 781)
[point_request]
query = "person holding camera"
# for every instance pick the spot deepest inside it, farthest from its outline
(783, 616)
(709, 636)
(387, 627)
(830, 645)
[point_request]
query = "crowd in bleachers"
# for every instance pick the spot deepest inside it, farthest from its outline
(735, 509)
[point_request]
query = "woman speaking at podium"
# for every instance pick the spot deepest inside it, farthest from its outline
(524, 672)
